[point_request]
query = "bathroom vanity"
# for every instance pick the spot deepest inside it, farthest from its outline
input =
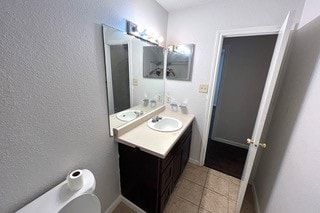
(151, 162)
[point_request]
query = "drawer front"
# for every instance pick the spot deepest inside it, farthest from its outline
(166, 178)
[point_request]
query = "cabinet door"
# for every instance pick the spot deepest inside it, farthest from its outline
(185, 152)
(139, 177)
(176, 167)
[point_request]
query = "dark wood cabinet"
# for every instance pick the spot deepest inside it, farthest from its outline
(147, 180)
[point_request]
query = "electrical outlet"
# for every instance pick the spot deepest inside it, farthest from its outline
(159, 98)
(135, 82)
(203, 88)
(168, 99)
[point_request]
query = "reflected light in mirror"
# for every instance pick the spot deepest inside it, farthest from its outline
(182, 49)
(143, 33)
(180, 61)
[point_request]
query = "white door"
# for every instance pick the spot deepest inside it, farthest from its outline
(267, 95)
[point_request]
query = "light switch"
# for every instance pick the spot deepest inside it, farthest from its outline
(203, 88)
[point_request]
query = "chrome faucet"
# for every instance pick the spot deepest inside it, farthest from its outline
(156, 119)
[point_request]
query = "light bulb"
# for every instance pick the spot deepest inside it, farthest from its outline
(140, 29)
(160, 39)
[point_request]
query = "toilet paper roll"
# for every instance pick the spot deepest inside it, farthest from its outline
(75, 180)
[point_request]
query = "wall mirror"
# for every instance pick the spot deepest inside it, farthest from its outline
(180, 62)
(153, 62)
(130, 94)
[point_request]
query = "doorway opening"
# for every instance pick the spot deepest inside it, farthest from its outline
(243, 69)
(119, 58)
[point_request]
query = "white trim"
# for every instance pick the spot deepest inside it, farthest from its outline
(131, 205)
(128, 203)
(109, 83)
(116, 42)
(114, 205)
(250, 31)
(267, 30)
(255, 198)
(193, 161)
(233, 143)
(130, 63)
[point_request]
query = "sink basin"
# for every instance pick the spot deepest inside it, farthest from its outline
(129, 115)
(166, 124)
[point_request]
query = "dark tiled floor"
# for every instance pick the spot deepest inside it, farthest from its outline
(225, 158)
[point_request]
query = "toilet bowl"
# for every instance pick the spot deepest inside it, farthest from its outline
(86, 203)
(61, 199)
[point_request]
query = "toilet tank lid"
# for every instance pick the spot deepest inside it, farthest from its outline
(59, 196)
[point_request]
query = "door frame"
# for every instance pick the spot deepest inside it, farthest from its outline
(252, 31)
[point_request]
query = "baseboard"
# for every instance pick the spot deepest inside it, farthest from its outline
(255, 198)
(131, 205)
(114, 205)
(193, 161)
(233, 143)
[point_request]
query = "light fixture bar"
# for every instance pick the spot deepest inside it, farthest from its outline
(144, 34)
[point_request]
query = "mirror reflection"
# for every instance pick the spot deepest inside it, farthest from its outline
(130, 93)
(153, 62)
(179, 62)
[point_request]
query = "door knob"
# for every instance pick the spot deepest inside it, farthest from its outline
(250, 141)
(263, 145)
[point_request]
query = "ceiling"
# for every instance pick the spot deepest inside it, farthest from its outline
(171, 5)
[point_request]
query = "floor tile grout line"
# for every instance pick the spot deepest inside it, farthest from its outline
(212, 190)
(218, 192)
(224, 176)
(203, 191)
(187, 200)
(192, 181)
(221, 177)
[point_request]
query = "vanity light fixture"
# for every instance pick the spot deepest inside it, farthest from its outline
(182, 49)
(144, 34)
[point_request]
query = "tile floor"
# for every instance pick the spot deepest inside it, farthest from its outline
(203, 190)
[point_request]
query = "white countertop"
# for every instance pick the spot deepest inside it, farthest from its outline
(152, 141)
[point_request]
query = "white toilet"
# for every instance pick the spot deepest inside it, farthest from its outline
(61, 199)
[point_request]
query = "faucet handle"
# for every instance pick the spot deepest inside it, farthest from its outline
(156, 118)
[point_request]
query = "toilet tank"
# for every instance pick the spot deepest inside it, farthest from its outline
(60, 196)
